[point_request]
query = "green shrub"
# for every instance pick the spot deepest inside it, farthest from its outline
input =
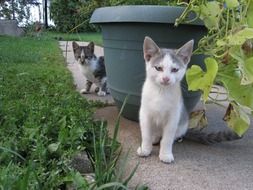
(75, 15)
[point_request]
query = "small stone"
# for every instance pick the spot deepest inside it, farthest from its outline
(82, 163)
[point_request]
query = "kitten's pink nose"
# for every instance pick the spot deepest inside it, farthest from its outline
(166, 79)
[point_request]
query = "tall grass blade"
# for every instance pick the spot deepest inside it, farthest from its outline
(113, 184)
(116, 129)
(122, 168)
(13, 152)
(131, 174)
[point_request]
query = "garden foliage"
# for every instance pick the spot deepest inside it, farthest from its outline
(229, 56)
(74, 15)
(44, 122)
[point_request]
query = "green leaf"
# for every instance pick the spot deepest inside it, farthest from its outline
(242, 94)
(197, 79)
(246, 68)
(250, 15)
(232, 3)
(240, 37)
(249, 68)
(53, 147)
(236, 53)
(245, 65)
(208, 15)
(237, 119)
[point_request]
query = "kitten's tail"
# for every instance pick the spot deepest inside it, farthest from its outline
(210, 138)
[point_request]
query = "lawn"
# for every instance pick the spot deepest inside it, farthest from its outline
(43, 120)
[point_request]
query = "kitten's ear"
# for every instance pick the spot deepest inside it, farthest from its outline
(75, 46)
(149, 48)
(185, 52)
(91, 46)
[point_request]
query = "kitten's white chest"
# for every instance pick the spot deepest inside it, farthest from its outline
(160, 99)
(160, 104)
(88, 71)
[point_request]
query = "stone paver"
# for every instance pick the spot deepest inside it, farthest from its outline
(223, 166)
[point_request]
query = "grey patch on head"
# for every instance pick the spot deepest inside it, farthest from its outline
(157, 58)
(88, 52)
(162, 53)
(175, 58)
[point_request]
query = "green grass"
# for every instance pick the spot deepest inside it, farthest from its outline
(95, 37)
(44, 122)
(43, 119)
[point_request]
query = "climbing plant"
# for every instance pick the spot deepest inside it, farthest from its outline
(229, 56)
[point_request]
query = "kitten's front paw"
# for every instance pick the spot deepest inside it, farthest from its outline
(101, 93)
(84, 91)
(143, 152)
(166, 158)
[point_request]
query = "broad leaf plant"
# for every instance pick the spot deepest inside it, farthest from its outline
(229, 56)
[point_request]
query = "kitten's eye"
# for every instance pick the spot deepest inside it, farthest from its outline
(174, 70)
(158, 68)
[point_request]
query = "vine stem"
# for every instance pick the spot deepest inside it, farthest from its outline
(185, 12)
(214, 102)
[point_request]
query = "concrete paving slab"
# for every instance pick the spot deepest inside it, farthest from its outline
(223, 166)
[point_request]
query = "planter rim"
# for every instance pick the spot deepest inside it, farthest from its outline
(139, 14)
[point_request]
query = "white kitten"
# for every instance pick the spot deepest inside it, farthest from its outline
(162, 113)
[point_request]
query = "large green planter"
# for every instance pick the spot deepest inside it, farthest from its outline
(123, 30)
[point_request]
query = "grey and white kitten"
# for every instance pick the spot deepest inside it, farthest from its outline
(92, 67)
(163, 116)
(165, 68)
